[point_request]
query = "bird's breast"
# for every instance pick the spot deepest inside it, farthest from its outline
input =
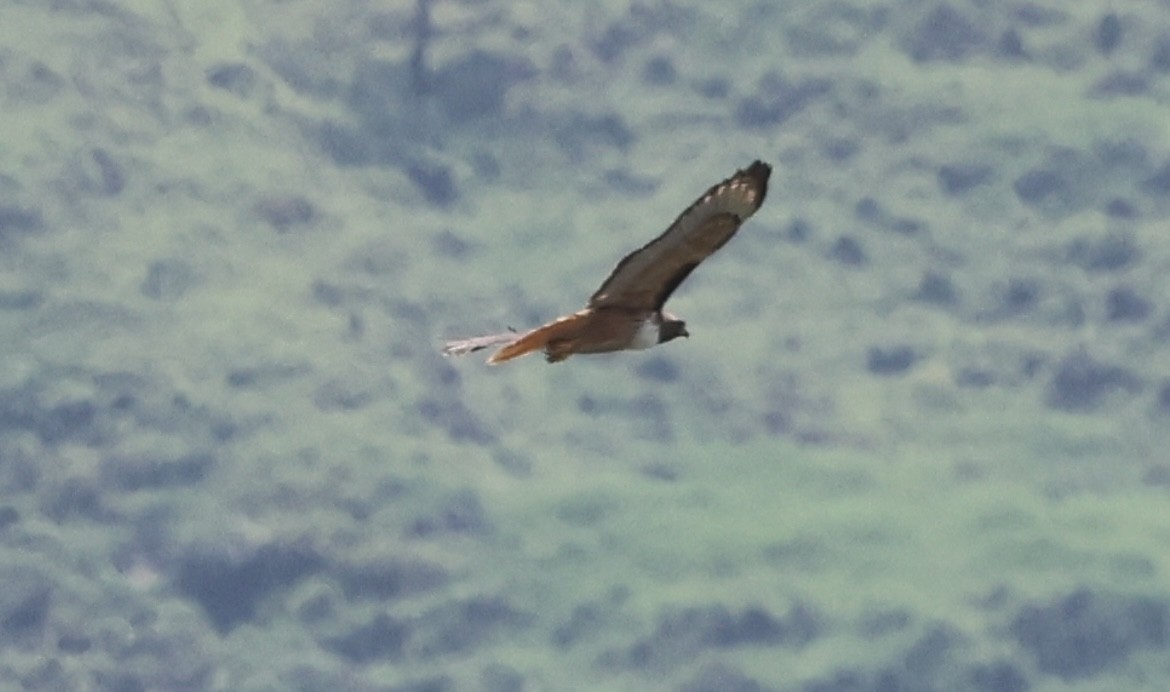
(645, 336)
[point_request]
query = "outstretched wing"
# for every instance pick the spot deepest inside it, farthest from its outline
(646, 277)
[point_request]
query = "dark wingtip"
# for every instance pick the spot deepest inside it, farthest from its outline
(758, 172)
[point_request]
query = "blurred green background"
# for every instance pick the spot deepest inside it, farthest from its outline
(916, 440)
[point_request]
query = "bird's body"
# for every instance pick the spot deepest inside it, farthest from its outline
(626, 312)
(592, 330)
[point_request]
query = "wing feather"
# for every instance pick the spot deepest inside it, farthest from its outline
(646, 277)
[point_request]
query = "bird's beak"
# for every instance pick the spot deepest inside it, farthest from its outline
(686, 333)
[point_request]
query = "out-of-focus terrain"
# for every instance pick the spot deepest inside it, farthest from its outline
(916, 440)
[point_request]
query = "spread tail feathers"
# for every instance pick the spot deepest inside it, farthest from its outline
(461, 347)
(557, 333)
(555, 338)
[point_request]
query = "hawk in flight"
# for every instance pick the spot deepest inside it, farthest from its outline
(626, 312)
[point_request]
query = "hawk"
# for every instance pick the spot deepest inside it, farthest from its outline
(626, 312)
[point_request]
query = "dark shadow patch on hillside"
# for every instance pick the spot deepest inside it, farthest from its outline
(388, 579)
(101, 406)
(1112, 252)
(25, 603)
(684, 634)
(1085, 633)
(18, 222)
(777, 99)
(936, 660)
(719, 677)
(381, 638)
(133, 473)
(452, 629)
(1081, 383)
(458, 513)
(229, 585)
(650, 412)
(453, 417)
(947, 34)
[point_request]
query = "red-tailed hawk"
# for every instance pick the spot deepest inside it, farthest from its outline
(626, 312)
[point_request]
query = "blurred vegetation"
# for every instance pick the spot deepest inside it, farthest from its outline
(916, 440)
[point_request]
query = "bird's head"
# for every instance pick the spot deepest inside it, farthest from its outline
(671, 328)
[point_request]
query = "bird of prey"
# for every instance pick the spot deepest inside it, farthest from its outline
(626, 312)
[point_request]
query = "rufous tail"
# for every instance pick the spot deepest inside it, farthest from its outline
(562, 329)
